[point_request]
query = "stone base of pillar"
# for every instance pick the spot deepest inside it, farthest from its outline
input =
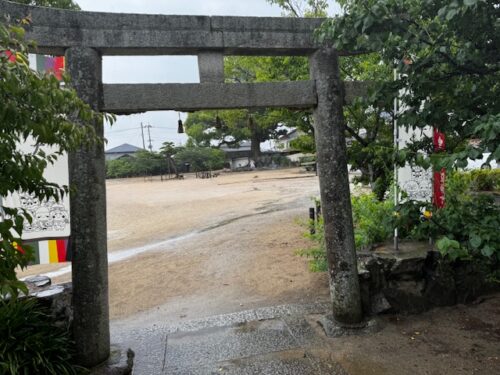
(332, 328)
(120, 362)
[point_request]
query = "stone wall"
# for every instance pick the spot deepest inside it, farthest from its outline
(56, 298)
(416, 278)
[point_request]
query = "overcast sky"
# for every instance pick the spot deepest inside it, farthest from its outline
(164, 69)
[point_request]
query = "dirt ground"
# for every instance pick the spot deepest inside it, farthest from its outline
(458, 340)
(207, 247)
(218, 245)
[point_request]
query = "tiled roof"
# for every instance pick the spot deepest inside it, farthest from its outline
(124, 148)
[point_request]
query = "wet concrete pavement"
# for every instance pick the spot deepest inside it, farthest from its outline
(276, 340)
(288, 340)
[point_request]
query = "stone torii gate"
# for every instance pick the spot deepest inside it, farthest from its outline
(84, 37)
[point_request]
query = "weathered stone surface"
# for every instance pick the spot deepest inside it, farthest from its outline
(120, 362)
(407, 263)
(415, 279)
(334, 187)
(132, 98)
(139, 34)
(37, 282)
(211, 67)
(88, 246)
(379, 304)
(332, 328)
(57, 299)
(406, 296)
(440, 289)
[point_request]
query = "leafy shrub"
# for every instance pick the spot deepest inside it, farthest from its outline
(200, 158)
(373, 223)
(467, 227)
(373, 220)
(30, 343)
(316, 255)
(485, 180)
(143, 163)
(37, 109)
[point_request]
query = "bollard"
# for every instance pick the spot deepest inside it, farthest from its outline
(312, 222)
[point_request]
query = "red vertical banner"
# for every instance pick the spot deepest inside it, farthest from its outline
(59, 67)
(11, 56)
(439, 198)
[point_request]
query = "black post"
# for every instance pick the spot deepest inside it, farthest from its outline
(312, 221)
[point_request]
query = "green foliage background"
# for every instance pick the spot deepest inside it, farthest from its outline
(145, 163)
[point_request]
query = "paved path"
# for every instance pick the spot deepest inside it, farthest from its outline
(276, 340)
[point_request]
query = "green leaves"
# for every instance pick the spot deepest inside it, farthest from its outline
(30, 342)
(449, 66)
(451, 248)
(34, 108)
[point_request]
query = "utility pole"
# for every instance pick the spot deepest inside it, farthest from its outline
(148, 126)
(142, 132)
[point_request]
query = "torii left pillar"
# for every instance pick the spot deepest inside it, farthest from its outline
(88, 220)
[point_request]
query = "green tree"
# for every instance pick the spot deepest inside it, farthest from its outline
(447, 56)
(63, 4)
(200, 158)
(37, 107)
(369, 129)
(231, 127)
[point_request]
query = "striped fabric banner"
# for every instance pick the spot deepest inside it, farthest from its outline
(50, 251)
(49, 64)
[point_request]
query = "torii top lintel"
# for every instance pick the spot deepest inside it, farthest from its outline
(55, 30)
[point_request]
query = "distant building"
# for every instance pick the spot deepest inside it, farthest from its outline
(238, 157)
(123, 151)
(283, 142)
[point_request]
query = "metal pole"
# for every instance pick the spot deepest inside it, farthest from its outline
(142, 133)
(396, 148)
(149, 138)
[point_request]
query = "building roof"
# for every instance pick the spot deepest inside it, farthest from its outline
(242, 146)
(288, 135)
(124, 149)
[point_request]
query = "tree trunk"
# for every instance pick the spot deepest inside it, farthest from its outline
(255, 148)
(254, 140)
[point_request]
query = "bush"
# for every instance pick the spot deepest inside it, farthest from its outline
(200, 158)
(373, 223)
(30, 343)
(485, 180)
(467, 227)
(143, 163)
(373, 220)
(316, 255)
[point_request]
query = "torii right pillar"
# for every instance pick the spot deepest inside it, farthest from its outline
(334, 186)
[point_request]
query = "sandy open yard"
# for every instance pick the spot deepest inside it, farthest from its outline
(190, 249)
(207, 246)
